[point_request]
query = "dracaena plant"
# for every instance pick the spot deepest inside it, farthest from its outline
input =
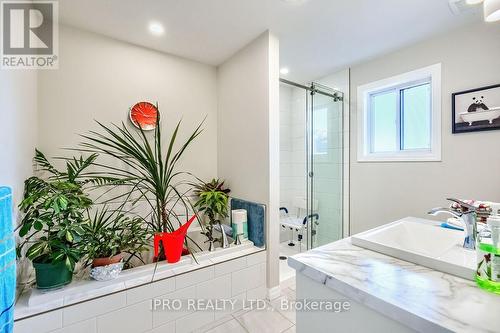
(111, 232)
(148, 169)
(53, 211)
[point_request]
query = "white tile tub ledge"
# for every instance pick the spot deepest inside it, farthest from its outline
(95, 305)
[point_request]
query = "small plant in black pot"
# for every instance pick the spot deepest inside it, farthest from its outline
(53, 212)
(212, 202)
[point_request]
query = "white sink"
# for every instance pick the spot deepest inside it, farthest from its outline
(422, 242)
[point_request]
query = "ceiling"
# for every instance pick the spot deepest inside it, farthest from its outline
(317, 37)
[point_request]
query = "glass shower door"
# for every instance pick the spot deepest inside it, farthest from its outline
(324, 121)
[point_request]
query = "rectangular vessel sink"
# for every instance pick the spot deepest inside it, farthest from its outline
(422, 242)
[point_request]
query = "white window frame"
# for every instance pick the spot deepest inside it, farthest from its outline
(430, 73)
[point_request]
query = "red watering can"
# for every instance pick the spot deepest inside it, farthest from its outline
(172, 242)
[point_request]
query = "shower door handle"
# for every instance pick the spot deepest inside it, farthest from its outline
(311, 174)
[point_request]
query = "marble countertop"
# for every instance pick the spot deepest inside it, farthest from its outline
(418, 297)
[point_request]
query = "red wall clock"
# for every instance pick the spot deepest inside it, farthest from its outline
(144, 115)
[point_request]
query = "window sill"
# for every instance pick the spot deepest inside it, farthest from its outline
(373, 158)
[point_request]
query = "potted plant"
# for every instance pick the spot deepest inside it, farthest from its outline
(110, 234)
(214, 184)
(149, 172)
(213, 203)
(51, 226)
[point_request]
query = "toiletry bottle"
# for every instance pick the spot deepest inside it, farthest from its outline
(488, 253)
(493, 222)
(239, 223)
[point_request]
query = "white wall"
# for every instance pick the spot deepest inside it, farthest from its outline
(18, 127)
(382, 192)
(248, 127)
(100, 79)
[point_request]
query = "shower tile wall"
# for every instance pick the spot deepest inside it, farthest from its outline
(328, 167)
(292, 147)
(285, 145)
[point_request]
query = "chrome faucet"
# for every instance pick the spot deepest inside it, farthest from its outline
(223, 240)
(467, 214)
(237, 241)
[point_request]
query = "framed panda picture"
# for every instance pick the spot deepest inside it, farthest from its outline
(476, 109)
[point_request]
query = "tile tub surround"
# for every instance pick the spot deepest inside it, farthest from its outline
(94, 298)
(418, 297)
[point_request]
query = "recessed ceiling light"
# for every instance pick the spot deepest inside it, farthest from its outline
(492, 10)
(156, 28)
(473, 2)
(284, 71)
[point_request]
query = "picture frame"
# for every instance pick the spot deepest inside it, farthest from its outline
(476, 110)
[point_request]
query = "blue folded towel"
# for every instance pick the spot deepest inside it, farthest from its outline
(256, 215)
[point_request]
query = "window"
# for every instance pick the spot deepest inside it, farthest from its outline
(400, 117)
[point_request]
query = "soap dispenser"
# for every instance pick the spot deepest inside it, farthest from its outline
(240, 224)
(488, 253)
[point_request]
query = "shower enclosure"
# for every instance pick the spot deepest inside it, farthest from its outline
(311, 151)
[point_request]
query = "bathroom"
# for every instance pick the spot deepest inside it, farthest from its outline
(328, 132)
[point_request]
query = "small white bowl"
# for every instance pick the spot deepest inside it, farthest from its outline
(108, 272)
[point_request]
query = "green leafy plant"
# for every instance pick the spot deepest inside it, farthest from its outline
(213, 203)
(111, 232)
(214, 184)
(150, 172)
(53, 211)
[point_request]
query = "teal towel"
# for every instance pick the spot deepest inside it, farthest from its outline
(7, 262)
(256, 216)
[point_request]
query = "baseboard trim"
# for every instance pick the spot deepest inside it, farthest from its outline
(273, 293)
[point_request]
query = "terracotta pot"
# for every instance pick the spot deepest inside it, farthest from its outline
(96, 262)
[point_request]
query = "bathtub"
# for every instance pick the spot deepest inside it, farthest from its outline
(490, 115)
(238, 271)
